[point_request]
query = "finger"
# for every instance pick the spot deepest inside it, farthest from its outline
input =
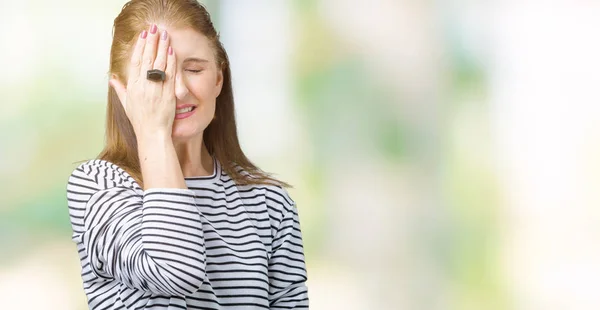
(120, 90)
(171, 70)
(149, 50)
(136, 56)
(161, 54)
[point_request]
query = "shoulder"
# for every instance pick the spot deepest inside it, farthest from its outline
(279, 195)
(278, 202)
(98, 174)
(273, 191)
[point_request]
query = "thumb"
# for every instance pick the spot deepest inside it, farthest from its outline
(120, 90)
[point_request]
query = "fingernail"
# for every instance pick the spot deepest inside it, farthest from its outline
(144, 34)
(164, 35)
(153, 29)
(170, 50)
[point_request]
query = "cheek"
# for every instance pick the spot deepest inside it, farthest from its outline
(203, 88)
(206, 99)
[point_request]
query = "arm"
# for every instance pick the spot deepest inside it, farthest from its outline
(148, 240)
(287, 270)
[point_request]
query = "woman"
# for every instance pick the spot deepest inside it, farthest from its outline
(172, 215)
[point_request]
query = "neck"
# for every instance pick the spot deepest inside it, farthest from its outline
(194, 158)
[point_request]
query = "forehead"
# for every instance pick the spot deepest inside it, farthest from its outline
(187, 42)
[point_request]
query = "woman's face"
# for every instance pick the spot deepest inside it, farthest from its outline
(198, 82)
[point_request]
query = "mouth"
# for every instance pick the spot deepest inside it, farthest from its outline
(184, 111)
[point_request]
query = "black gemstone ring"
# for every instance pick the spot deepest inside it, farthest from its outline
(156, 75)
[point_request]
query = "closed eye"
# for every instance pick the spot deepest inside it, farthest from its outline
(193, 71)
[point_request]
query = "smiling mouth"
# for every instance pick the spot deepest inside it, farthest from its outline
(185, 110)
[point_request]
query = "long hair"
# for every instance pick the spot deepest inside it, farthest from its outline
(220, 137)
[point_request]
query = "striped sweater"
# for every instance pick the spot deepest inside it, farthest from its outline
(215, 245)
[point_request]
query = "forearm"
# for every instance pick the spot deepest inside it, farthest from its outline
(150, 241)
(159, 162)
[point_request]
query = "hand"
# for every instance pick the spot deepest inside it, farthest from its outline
(149, 105)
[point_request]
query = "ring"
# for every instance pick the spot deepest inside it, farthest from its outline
(155, 75)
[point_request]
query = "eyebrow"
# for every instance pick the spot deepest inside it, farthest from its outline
(193, 59)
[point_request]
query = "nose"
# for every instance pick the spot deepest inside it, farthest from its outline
(181, 90)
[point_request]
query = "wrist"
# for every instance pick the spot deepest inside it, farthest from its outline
(145, 133)
(157, 138)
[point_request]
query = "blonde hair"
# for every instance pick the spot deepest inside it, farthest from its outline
(220, 137)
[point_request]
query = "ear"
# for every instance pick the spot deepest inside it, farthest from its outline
(119, 89)
(219, 84)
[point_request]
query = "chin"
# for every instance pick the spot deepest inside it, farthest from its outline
(186, 130)
(182, 134)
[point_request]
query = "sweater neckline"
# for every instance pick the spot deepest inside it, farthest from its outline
(210, 178)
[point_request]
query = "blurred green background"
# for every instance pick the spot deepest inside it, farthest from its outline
(444, 154)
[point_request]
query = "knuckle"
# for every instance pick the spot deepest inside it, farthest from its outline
(135, 62)
(159, 64)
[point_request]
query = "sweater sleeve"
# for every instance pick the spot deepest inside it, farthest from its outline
(287, 270)
(148, 240)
